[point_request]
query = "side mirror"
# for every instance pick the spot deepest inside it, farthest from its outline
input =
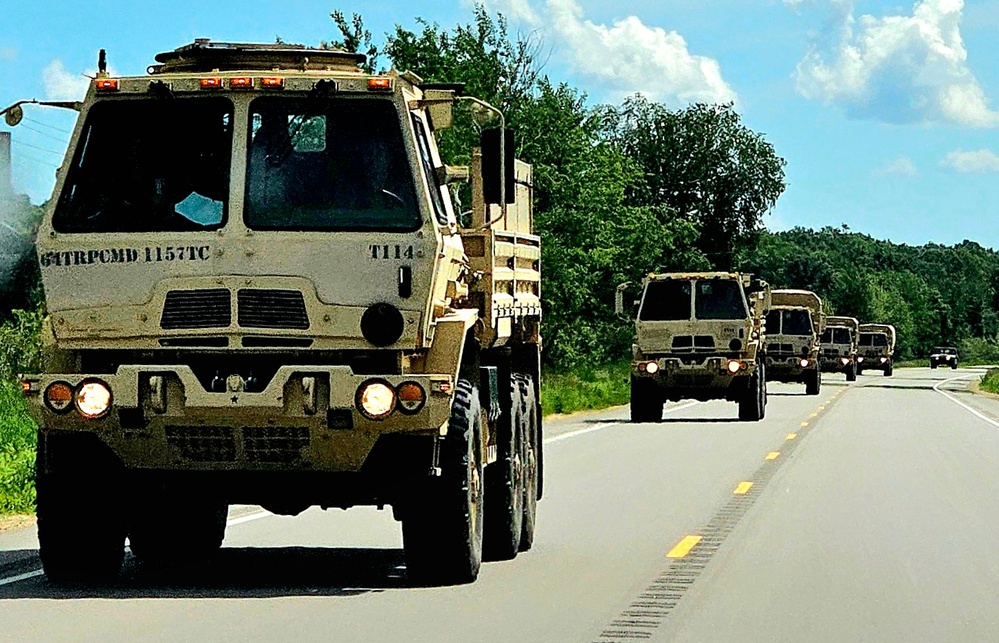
(497, 166)
(13, 115)
(619, 298)
(440, 107)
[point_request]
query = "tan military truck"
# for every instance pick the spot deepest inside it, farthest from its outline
(698, 336)
(839, 346)
(795, 323)
(877, 348)
(258, 291)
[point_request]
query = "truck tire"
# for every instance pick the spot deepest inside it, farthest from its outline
(442, 526)
(503, 512)
(646, 402)
(168, 525)
(953, 366)
(532, 460)
(751, 403)
(81, 523)
(761, 371)
(813, 382)
(933, 365)
(889, 369)
(851, 373)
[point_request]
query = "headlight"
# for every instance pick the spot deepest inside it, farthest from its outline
(860, 359)
(375, 399)
(803, 362)
(884, 359)
(93, 399)
(844, 360)
(652, 368)
(734, 366)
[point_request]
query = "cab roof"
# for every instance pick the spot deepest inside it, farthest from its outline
(204, 55)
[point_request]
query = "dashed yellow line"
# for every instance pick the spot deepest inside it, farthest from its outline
(804, 424)
(683, 547)
(791, 436)
(814, 415)
(773, 455)
(743, 488)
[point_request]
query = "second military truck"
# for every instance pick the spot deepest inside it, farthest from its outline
(699, 336)
(877, 348)
(795, 323)
(839, 346)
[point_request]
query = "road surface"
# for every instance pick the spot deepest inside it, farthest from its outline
(869, 512)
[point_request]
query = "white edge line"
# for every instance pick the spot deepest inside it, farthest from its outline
(229, 523)
(600, 427)
(936, 387)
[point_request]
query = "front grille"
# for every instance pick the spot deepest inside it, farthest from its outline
(283, 309)
(203, 443)
(186, 309)
(683, 341)
(830, 352)
(695, 381)
(777, 349)
(704, 341)
(275, 444)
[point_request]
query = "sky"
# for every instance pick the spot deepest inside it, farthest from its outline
(887, 113)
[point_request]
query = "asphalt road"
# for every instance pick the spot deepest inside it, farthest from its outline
(872, 515)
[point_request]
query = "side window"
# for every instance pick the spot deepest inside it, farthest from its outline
(428, 168)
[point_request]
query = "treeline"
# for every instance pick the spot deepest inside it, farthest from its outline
(932, 294)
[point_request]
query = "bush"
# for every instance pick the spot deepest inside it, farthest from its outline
(587, 387)
(20, 344)
(990, 381)
(18, 435)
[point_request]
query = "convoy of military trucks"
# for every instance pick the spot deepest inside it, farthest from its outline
(262, 289)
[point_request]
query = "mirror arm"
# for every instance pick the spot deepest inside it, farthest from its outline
(502, 154)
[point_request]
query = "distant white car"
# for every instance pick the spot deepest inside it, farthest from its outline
(943, 356)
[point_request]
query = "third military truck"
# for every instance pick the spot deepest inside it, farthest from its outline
(262, 291)
(877, 348)
(698, 336)
(795, 323)
(839, 346)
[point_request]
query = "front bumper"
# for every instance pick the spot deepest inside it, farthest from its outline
(709, 378)
(306, 419)
(835, 364)
(788, 369)
(867, 362)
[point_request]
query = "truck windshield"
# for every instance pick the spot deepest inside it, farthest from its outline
(719, 299)
(789, 322)
(666, 301)
(149, 166)
(331, 165)
(874, 340)
(836, 336)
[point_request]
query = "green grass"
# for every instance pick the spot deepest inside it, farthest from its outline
(585, 388)
(17, 452)
(990, 381)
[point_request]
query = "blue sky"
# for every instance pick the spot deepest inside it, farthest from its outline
(886, 112)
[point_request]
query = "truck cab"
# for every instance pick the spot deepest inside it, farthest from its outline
(839, 346)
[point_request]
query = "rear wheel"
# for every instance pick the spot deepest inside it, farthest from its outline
(532, 460)
(442, 523)
(646, 401)
(81, 524)
(504, 505)
(751, 404)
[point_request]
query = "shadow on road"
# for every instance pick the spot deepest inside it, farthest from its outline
(250, 572)
(674, 420)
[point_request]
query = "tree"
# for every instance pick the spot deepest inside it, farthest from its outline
(704, 164)
(354, 38)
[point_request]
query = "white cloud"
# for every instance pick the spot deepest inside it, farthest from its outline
(629, 57)
(901, 166)
(898, 68)
(625, 58)
(972, 161)
(61, 84)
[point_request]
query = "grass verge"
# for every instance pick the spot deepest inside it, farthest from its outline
(585, 388)
(990, 381)
(17, 453)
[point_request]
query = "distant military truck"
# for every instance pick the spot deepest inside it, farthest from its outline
(839, 346)
(795, 323)
(943, 356)
(260, 291)
(699, 336)
(877, 348)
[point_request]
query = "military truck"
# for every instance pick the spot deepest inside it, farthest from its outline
(943, 356)
(795, 323)
(876, 349)
(259, 292)
(839, 346)
(698, 336)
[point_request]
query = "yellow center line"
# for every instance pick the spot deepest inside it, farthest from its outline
(773, 455)
(791, 436)
(804, 424)
(743, 488)
(814, 415)
(683, 547)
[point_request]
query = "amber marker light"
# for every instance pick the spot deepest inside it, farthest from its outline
(106, 84)
(380, 84)
(272, 82)
(211, 83)
(412, 397)
(59, 397)
(241, 82)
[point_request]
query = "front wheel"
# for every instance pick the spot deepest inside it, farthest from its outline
(851, 373)
(442, 524)
(751, 403)
(889, 369)
(813, 382)
(646, 401)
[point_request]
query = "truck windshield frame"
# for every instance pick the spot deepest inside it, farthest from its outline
(330, 165)
(836, 335)
(149, 165)
(789, 322)
(877, 340)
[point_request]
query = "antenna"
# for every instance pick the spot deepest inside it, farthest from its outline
(102, 62)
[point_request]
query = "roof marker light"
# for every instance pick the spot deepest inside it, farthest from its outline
(272, 82)
(106, 84)
(211, 83)
(241, 82)
(380, 84)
